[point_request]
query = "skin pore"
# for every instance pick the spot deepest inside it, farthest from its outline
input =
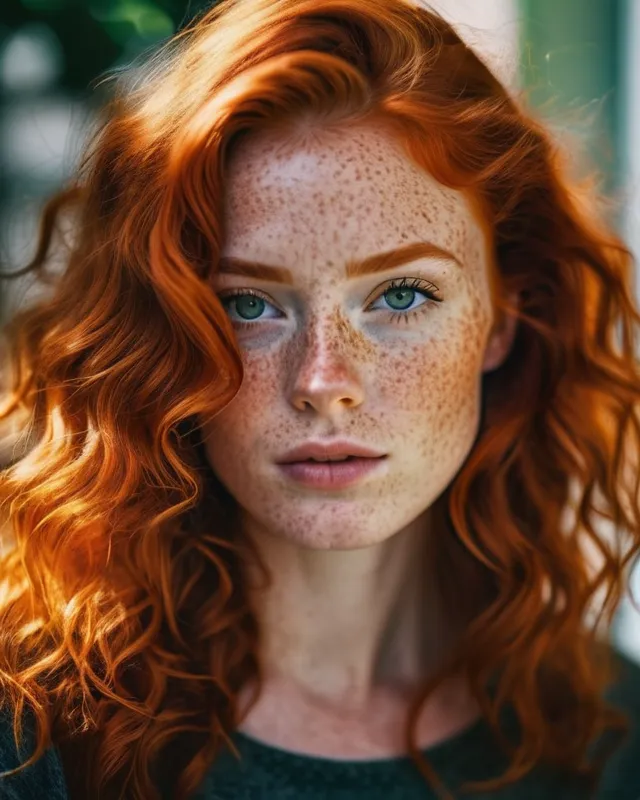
(350, 622)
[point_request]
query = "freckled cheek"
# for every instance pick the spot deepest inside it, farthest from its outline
(262, 382)
(434, 378)
(259, 388)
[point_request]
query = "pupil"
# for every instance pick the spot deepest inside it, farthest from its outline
(253, 306)
(398, 293)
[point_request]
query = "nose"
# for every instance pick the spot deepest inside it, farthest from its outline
(324, 376)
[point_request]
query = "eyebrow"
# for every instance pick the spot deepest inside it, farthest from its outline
(355, 269)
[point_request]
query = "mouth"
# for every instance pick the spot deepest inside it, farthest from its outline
(332, 474)
(334, 460)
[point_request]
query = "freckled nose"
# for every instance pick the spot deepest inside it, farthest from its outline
(324, 379)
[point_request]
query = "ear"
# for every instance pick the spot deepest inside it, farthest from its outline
(501, 338)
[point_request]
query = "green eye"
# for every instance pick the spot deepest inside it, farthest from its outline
(400, 295)
(248, 306)
(403, 296)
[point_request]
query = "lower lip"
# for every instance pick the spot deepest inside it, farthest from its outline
(331, 474)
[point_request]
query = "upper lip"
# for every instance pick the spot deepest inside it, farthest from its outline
(328, 449)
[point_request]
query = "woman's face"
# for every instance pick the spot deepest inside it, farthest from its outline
(327, 355)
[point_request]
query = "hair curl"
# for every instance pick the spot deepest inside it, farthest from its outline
(124, 624)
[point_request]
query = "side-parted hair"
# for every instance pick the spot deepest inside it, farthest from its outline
(124, 623)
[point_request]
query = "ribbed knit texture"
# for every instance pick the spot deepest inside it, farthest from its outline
(266, 772)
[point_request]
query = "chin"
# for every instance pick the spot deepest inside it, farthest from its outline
(327, 531)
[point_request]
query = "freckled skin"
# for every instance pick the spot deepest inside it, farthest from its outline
(342, 621)
(411, 390)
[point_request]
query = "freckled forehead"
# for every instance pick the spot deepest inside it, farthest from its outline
(354, 190)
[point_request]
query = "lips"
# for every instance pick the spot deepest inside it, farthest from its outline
(329, 450)
(333, 475)
(328, 460)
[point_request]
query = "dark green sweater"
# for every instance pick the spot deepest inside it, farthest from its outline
(268, 773)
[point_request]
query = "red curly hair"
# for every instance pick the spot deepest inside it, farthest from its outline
(125, 629)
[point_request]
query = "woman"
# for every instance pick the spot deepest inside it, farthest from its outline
(316, 231)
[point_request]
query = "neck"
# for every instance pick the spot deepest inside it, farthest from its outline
(340, 626)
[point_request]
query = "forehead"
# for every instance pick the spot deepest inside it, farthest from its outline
(338, 194)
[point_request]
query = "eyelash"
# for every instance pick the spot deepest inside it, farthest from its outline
(416, 284)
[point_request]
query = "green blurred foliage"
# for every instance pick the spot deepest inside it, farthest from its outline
(97, 35)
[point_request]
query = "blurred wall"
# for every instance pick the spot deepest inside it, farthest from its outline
(628, 631)
(491, 27)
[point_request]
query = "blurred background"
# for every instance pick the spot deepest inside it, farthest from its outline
(577, 62)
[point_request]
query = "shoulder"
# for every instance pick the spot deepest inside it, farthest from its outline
(621, 776)
(45, 778)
